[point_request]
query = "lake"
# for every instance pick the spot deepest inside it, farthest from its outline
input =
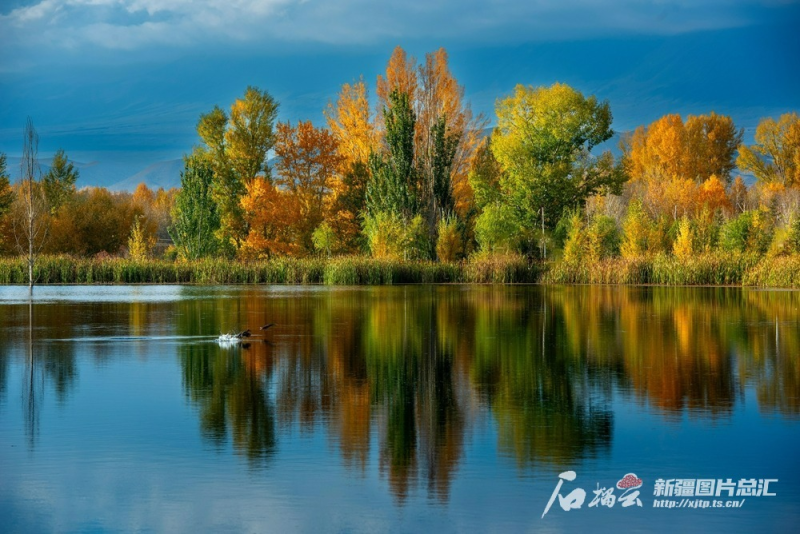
(407, 408)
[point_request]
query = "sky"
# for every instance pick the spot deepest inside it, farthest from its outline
(124, 81)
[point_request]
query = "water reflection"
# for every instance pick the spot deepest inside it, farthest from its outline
(403, 375)
(43, 364)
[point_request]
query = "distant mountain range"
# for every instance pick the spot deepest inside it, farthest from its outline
(114, 174)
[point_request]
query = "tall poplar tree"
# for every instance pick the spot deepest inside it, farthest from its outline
(195, 216)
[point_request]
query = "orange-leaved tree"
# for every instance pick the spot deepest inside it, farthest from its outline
(270, 214)
(307, 163)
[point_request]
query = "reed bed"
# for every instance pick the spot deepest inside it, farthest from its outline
(782, 271)
(506, 269)
(608, 271)
(706, 269)
(339, 271)
(717, 268)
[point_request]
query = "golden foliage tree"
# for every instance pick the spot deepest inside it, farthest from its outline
(140, 244)
(670, 149)
(775, 158)
(683, 247)
(712, 195)
(400, 76)
(352, 123)
(636, 231)
(712, 144)
(354, 127)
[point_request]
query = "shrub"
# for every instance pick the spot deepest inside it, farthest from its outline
(324, 239)
(683, 246)
(448, 242)
(497, 229)
(602, 238)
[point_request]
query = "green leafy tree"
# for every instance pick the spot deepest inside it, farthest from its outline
(349, 205)
(324, 239)
(444, 150)
(195, 214)
(543, 141)
(393, 186)
(576, 244)
(59, 181)
(793, 239)
(751, 231)
(390, 236)
(250, 135)
(237, 144)
(497, 229)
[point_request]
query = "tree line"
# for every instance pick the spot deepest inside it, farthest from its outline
(418, 177)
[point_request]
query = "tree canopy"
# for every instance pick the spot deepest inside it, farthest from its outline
(543, 142)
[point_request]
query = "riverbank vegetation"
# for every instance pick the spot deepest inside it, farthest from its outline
(707, 269)
(412, 187)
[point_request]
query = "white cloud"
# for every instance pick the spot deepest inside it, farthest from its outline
(134, 24)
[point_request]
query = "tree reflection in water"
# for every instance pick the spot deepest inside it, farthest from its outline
(403, 375)
(45, 362)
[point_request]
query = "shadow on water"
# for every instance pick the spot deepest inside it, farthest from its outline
(409, 373)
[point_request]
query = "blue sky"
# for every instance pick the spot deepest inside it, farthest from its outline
(117, 79)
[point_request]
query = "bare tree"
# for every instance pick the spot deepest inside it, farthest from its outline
(30, 220)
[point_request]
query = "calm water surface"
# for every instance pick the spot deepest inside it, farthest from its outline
(412, 408)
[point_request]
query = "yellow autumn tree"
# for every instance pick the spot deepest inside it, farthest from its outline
(712, 141)
(683, 247)
(636, 229)
(775, 157)
(352, 124)
(354, 127)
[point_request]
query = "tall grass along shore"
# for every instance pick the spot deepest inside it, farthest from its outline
(706, 269)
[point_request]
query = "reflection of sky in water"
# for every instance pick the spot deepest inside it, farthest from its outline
(150, 293)
(160, 429)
